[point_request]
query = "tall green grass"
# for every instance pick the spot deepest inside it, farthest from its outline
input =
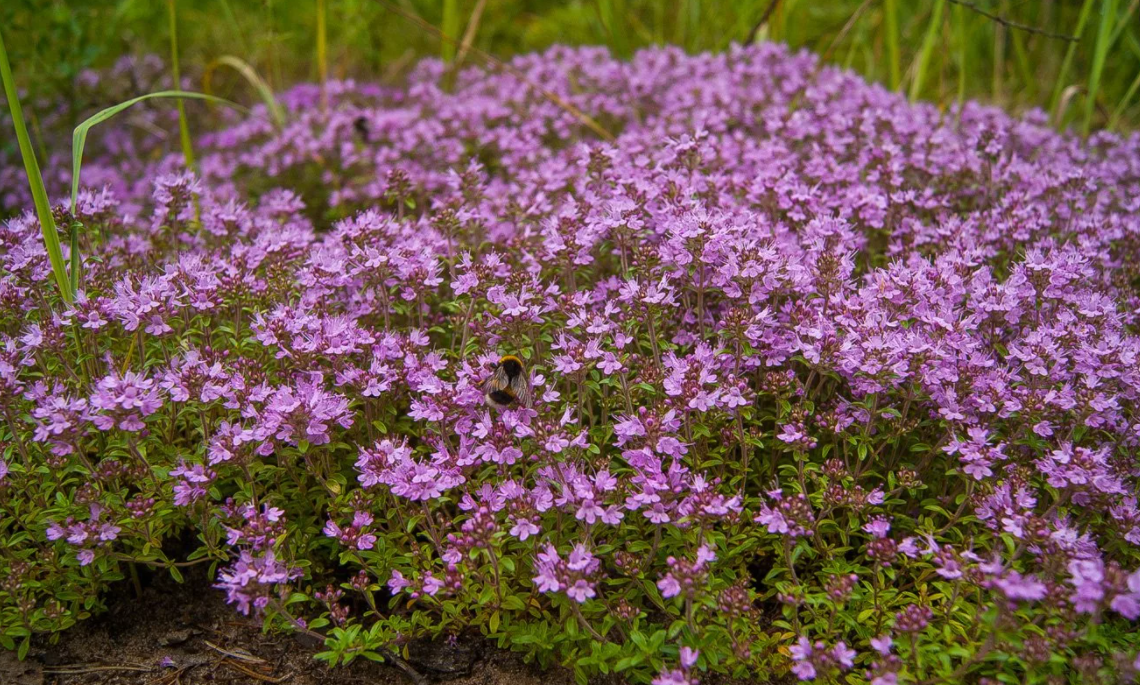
(891, 27)
(922, 62)
(35, 180)
(450, 28)
(964, 54)
(176, 71)
(1100, 54)
(322, 52)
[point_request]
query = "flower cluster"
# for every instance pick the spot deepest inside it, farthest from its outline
(825, 384)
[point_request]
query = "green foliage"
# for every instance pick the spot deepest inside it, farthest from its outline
(35, 179)
(79, 137)
(364, 39)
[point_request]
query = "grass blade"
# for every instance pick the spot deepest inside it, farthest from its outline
(450, 28)
(322, 55)
(1059, 85)
(1123, 23)
(609, 13)
(35, 179)
(1114, 120)
(891, 21)
(583, 118)
(276, 113)
(1100, 53)
(76, 261)
(183, 124)
(79, 136)
(961, 28)
(923, 61)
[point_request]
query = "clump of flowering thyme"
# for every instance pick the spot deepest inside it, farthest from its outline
(826, 384)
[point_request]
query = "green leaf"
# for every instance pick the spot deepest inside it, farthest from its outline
(76, 262)
(922, 62)
(79, 137)
(35, 180)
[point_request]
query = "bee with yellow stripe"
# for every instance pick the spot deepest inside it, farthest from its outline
(509, 384)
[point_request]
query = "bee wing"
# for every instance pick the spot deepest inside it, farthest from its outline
(496, 381)
(521, 387)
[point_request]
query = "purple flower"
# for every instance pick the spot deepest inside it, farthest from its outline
(1018, 587)
(669, 587)
(124, 401)
(878, 527)
(882, 644)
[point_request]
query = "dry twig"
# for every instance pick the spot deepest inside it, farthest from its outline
(1013, 24)
(254, 674)
(240, 656)
(80, 669)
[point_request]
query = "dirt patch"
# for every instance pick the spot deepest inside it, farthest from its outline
(186, 634)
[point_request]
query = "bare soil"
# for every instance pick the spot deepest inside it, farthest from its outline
(185, 634)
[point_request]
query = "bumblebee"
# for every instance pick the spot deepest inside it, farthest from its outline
(509, 384)
(361, 126)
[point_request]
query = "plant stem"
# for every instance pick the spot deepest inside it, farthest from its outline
(927, 50)
(1059, 82)
(1103, 44)
(891, 21)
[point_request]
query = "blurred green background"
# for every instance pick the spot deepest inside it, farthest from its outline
(940, 50)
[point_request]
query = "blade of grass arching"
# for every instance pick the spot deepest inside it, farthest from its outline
(1059, 84)
(450, 28)
(922, 62)
(322, 54)
(183, 124)
(35, 179)
(1100, 53)
(1066, 98)
(891, 26)
(1117, 113)
(276, 113)
(79, 136)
